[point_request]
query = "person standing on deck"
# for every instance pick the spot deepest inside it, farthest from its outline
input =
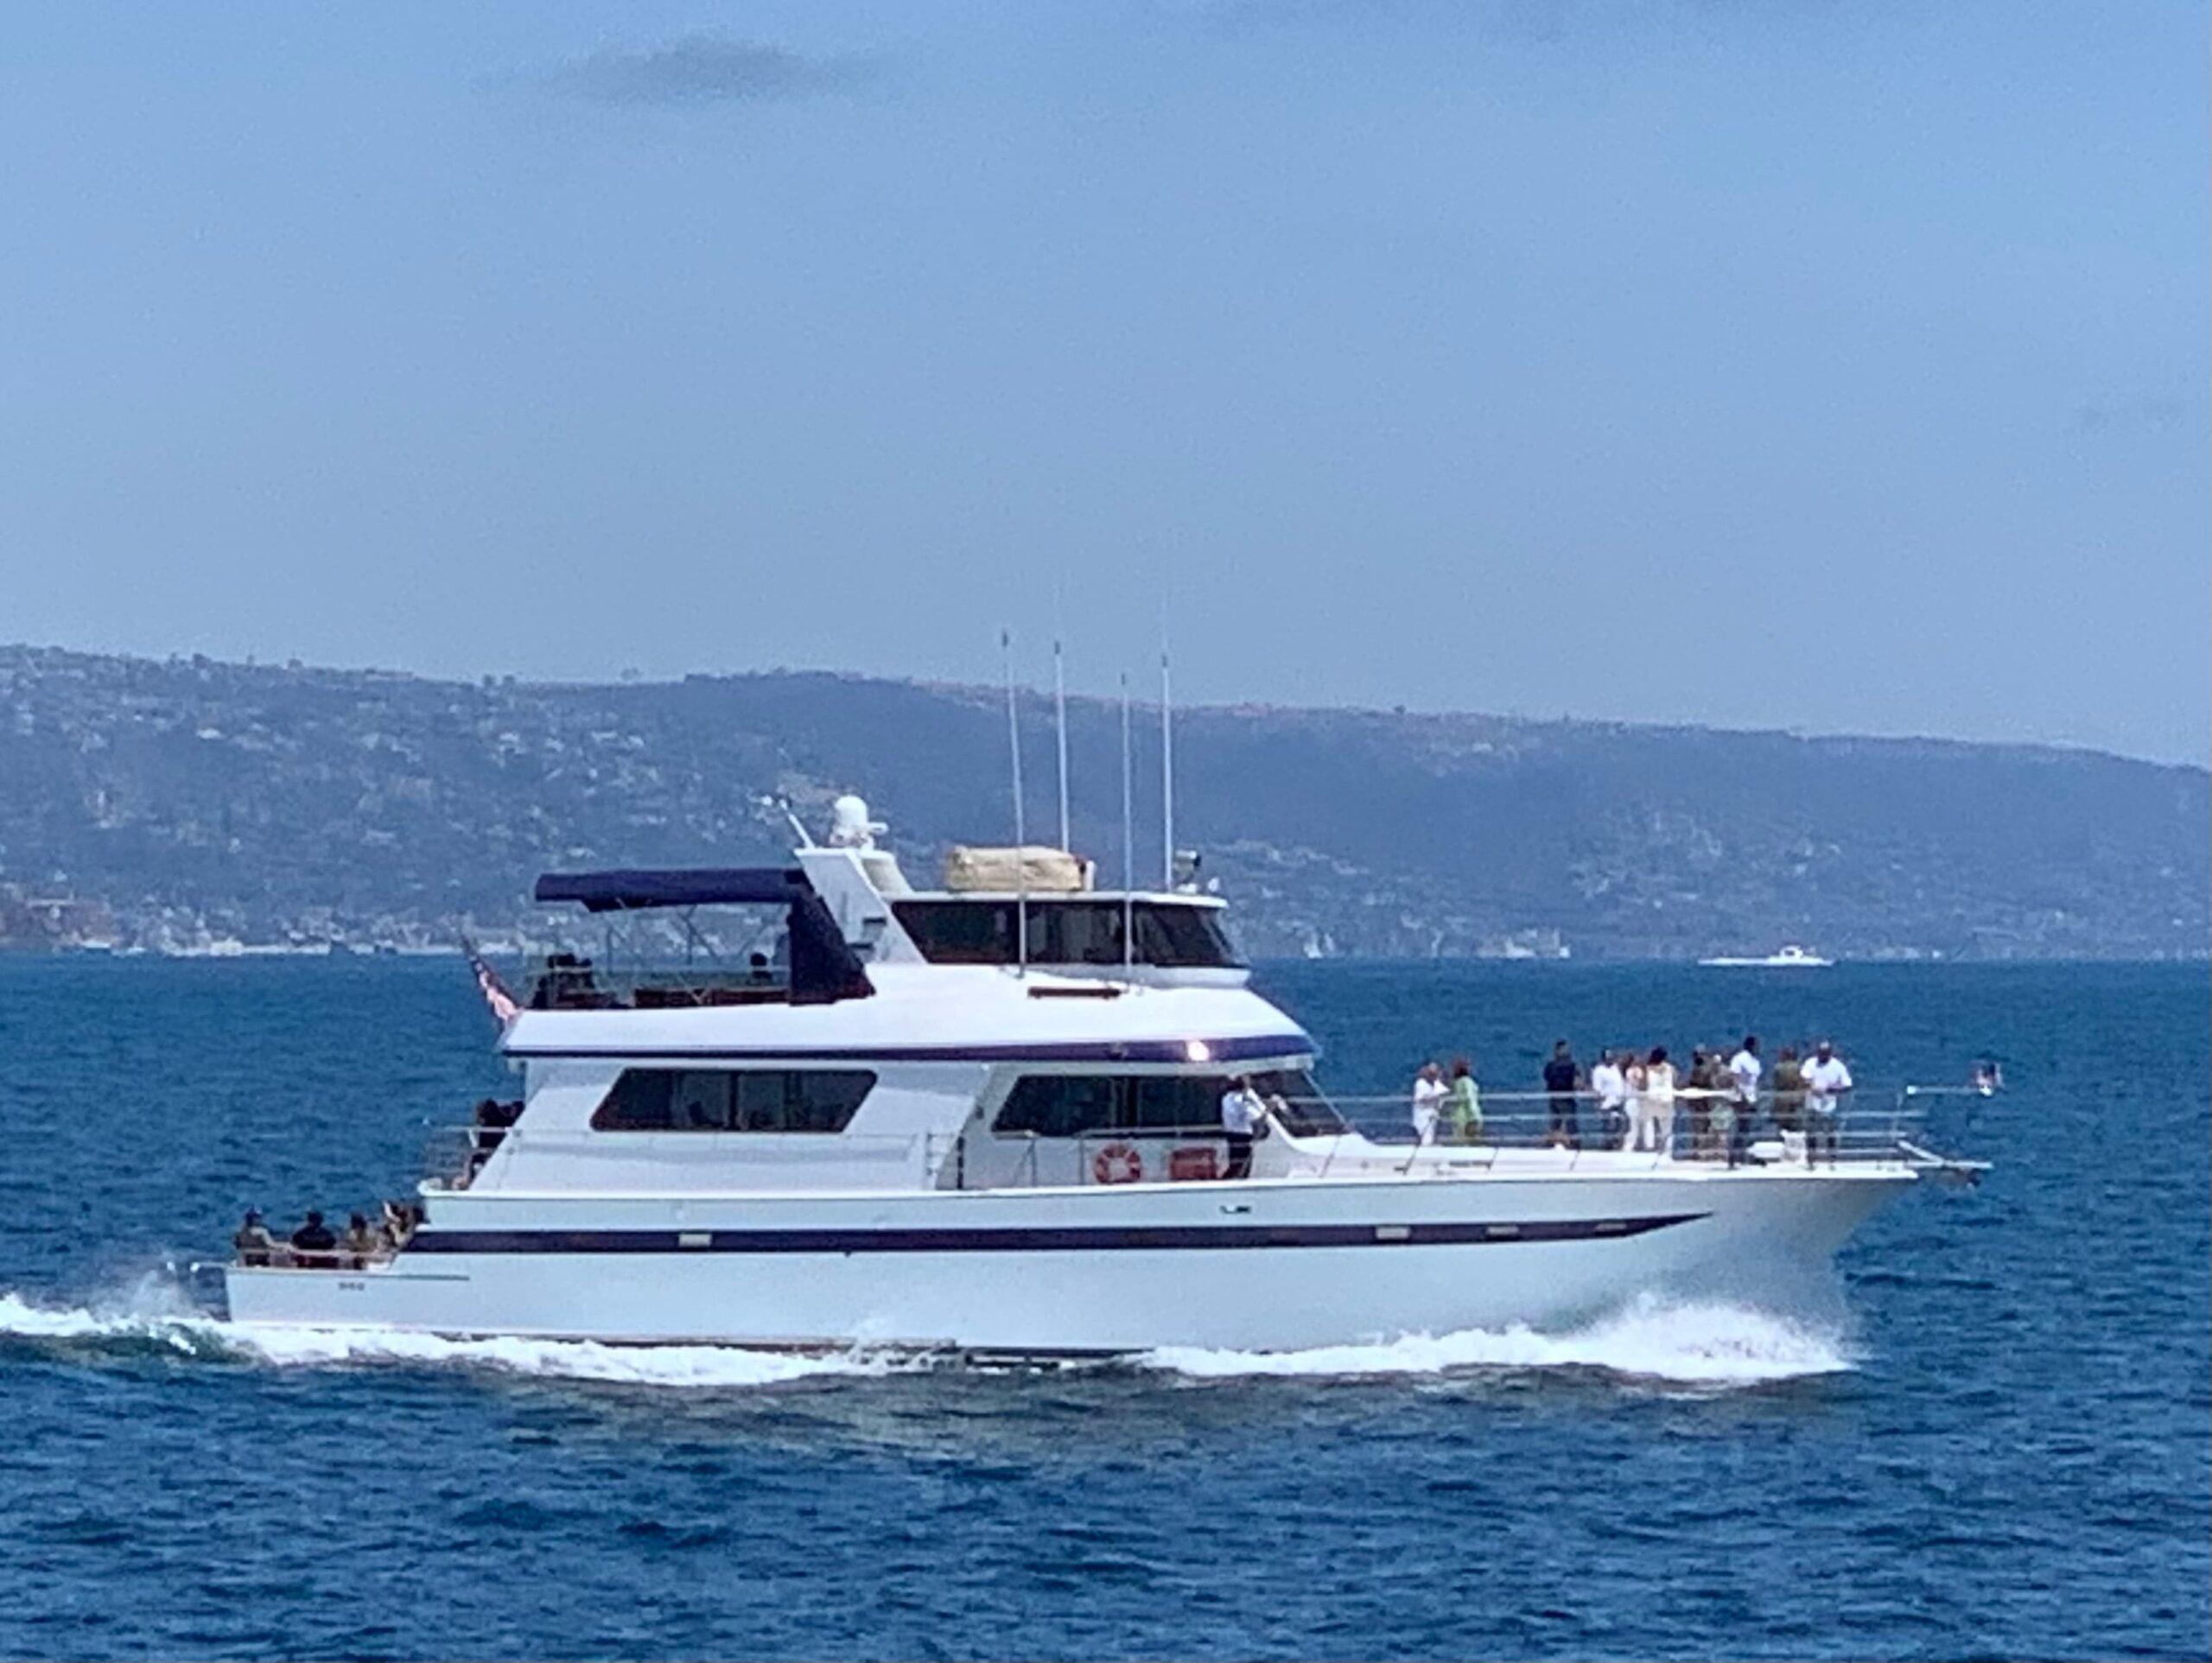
(1827, 1081)
(1704, 1080)
(1242, 1114)
(1632, 1104)
(1609, 1085)
(1744, 1070)
(1651, 1103)
(1463, 1104)
(1561, 1075)
(1789, 1102)
(1429, 1093)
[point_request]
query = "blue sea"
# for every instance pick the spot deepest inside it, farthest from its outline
(1991, 1438)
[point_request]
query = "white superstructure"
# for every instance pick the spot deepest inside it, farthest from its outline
(987, 1121)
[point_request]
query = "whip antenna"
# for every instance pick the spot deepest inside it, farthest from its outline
(1166, 775)
(1128, 835)
(1021, 856)
(1060, 719)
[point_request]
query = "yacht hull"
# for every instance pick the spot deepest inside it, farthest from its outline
(1263, 1265)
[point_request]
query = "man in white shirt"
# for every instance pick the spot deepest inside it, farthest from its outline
(1827, 1080)
(1744, 1070)
(1242, 1114)
(1612, 1089)
(1429, 1093)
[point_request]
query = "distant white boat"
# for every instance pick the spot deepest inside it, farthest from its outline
(1792, 957)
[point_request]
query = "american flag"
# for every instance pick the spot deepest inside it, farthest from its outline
(504, 1008)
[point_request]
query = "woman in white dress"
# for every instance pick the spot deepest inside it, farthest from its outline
(1631, 1099)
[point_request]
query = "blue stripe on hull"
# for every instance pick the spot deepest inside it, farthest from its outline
(1135, 1051)
(1084, 1239)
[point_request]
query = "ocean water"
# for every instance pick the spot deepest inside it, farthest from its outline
(1991, 1437)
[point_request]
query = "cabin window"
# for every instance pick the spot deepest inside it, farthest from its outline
(726, 1100)
(1174, 1102)
(1061, 1105)
(1168, 934)
(1072, 1105)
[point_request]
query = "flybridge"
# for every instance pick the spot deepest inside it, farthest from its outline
(849, 907)
(823, 967)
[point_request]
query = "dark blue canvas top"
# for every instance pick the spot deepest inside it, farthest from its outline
(825, 968)
(613, 891)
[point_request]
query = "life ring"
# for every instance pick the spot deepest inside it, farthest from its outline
(1117, 1163)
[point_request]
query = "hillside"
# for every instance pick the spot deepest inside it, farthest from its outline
(165, 803)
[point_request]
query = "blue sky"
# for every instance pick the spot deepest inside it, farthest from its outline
(1841, 367)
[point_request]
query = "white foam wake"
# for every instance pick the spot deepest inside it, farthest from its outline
(585, 1360)
(1693, 1344)
(156, 1310)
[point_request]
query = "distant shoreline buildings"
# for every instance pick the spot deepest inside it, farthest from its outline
(193, 807)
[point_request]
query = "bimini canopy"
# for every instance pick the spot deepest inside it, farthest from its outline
(825, 968)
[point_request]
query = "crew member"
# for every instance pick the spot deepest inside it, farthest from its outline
(1242, 1114)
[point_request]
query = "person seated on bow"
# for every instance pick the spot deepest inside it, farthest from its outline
(314, 1244)
(256, 1247)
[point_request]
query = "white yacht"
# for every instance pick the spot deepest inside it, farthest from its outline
(987, 1118)
(1791, 957)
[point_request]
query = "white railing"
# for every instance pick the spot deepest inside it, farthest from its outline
(1707, 1127)
(1702, 1125)
(454, 1156)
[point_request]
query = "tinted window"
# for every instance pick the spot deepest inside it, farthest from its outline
(723, 1099)
(1061, 1105)
(1066, 932)
(1164, 1102)
(959, 932)
(1069, 1105)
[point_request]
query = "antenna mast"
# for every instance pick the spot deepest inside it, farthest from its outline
(1060, 717)
(1020, 859)
(1166, 777)
(1128, 835)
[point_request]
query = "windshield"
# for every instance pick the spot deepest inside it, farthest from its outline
(1298, 1104)
(1176, 936)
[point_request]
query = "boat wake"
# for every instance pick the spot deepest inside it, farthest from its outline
(156, 1317)
(1653, 1339)
(1696, 1345)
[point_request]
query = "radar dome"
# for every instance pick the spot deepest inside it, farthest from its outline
(850, 826)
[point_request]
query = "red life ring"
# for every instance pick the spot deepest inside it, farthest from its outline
(1117, 1163)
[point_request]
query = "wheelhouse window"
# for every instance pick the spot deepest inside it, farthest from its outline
(733, 1100)
(1171, 935)
(1072, 1105)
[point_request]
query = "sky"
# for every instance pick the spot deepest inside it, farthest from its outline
(1827, 366)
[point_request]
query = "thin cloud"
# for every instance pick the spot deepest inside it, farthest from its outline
(701, 69)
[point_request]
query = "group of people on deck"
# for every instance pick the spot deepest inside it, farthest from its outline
(1640, 1095)
(315, 1245)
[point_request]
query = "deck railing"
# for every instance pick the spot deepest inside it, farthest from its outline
(1866, 1128)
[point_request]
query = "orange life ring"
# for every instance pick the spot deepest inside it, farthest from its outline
(1117, 1163)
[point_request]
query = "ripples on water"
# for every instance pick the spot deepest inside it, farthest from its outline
(1992, 1440)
